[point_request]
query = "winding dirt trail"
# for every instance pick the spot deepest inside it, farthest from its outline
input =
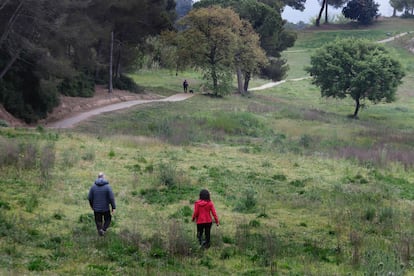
(73, 120)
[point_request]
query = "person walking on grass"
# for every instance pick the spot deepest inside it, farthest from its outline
(203, 209)
(100, 197)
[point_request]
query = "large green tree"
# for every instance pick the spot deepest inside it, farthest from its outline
(216, 40)
(265, 17)
(363, 11)
(356, 68)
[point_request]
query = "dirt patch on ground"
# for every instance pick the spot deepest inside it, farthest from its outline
(72, 105)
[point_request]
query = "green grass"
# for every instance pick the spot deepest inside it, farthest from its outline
(299, 187)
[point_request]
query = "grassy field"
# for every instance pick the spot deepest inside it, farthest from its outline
(300, 188)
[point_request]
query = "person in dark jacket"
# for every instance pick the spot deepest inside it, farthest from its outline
(203, 209)
(185, 86)
(100, 197)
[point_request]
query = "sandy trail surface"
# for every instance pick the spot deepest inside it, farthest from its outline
(73, 120)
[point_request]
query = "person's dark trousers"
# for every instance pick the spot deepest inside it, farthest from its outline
(206, 228)
(102, 220)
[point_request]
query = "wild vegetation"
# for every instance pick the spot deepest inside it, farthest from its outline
(299, 187)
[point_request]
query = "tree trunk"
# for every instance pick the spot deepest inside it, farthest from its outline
(110, 62)
(318, 20)
(98, 54)
(357, 106)
(9, 65)
(326, 12)
(118, 63)
(11, 21)
(239, 80)
(246, 81)
(394, 12)
(4, 4)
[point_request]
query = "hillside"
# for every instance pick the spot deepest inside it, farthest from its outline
(299, 187)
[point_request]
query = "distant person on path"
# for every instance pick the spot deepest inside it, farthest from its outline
(203, 209)
(185, 86)
(100, 197)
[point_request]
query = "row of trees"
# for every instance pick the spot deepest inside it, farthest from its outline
(49, 47)
(363, 11)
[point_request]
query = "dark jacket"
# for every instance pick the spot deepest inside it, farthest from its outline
(101, 196)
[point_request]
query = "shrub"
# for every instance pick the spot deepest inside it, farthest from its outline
(126, 83)
(81, 85)
(157, 249)
(38, 263)
(69, 158)
(248, 202)
(89, 154)
(3, 123)
(227, 253)
(276, 70)
(168, 174)
(47, 160)
(9, 152)
(179, 241)
(27, 156)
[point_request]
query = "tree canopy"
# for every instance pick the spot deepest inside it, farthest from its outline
(216, 40)
(265, 17)
(356, 68)
(363, 11)
(49, 47)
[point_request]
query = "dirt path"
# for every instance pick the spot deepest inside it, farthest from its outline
(72, 121)
(271, 84)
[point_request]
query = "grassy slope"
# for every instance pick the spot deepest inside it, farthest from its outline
(287, 203)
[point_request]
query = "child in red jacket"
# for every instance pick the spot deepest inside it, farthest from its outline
(203, 209)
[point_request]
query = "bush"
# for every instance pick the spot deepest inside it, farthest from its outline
(247, 203)
(3, 123)
(276, 70)
(180, 242)
(168, 174)
(47, 160)
(127, 83)
(80, 85)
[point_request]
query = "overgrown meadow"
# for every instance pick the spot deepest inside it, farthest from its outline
(300, 188)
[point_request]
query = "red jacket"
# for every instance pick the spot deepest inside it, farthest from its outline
(203, 210)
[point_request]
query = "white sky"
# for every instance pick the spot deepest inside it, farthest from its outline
(312, 8)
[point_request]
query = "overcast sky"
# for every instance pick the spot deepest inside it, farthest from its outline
(312, 8)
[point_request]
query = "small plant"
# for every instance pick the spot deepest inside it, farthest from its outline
(89, 155)
(168, 174)
(69, 158)
(248, 202)
(111, 153)
(38, 263)
(47, 160)
(279, 177)
(27, 156)
(254, 223)
(179, 241)
(3, 123)
(157, 249)
(370, 213)
(227, 253)
(305, 141)
(31, 203)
